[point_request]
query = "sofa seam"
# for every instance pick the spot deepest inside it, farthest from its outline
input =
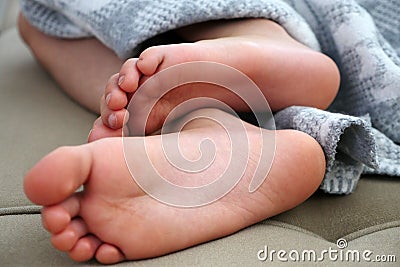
(292, 227)
(21, 210)
(371, 230)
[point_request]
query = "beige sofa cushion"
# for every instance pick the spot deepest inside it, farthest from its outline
(8, 14)
(36, 117)
(28, 245)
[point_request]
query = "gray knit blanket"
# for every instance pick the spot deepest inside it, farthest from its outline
(359, 131)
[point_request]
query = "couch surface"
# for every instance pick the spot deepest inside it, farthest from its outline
(36, 117)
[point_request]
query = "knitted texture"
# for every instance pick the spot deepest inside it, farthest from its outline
(123, 24)
(361, 128)
(363, 38)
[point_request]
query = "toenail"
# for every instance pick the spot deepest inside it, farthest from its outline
(108, 98)
(112, 120)
(121, 80)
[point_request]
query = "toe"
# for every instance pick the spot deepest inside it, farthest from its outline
(56, 218)
(114, 119)
(114, 98)
(149, 60)
(58, 175)
(100, 131)
(129, 76)
(109, 254)
(67, 239)
(85, 248)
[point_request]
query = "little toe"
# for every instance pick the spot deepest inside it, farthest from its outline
(100, 131)
(150, 60)
(85, 248)
(56, 218)
(129, 76)
(109, 254)
(67, 239)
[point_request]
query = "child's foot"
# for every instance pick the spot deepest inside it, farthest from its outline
(287, 72)
(114, 220)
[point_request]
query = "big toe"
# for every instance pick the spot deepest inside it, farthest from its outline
(58, 175)
(150, 59)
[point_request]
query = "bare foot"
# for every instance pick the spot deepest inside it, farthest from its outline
(287, 72)
(114, 220)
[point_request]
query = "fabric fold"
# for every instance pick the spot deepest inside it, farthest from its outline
(388, 154)
(348, 143)
(369, 64)
(123, 25)
(334, 132)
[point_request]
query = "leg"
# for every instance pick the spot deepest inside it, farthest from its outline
(83, 224)
(287, 72)
(81, 67)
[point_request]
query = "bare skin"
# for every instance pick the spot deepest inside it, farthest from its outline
(287, 72)
(259, 48)
(114, 220)
(83, 224)
(81, 67)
